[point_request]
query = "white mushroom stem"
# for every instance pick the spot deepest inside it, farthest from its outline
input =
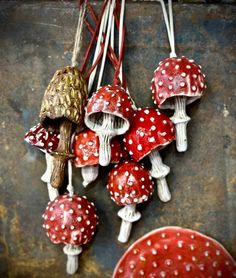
(89, 174)
(52, 192)
(128, 214)
(159, 171)
(72, 252)
(105, 134)
(181, 119)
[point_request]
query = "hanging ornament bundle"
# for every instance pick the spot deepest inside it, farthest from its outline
(86, 129)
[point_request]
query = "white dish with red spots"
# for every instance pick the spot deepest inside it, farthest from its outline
(175, 252)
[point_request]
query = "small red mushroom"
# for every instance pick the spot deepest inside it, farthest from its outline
(150, 132)
(129, 184)
(86, 151)
(108, 113)
(175, 252)
(47, 142)
(70, 220)
(178, 82)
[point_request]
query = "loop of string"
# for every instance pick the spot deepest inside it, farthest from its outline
(169, 25)
(78, 35)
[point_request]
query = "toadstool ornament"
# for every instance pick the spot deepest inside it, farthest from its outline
(108, 113)
(47, 142)
(175, 252)
(86, 150)
(63, 105)
(178, 82)
(129, 184)
(151, 131)
(70, 220)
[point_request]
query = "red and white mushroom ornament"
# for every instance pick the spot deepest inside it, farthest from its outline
(109, 113)
(86, 151)
(47, 142)
(71, 220)
(151, 131)
(175, 252)
(129, 184)
(177, 82)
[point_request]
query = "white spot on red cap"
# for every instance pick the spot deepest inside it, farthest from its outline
(182, 84)
(151, 139)
(139, 147)
(153, 127)
(160, 83)
(141, 119)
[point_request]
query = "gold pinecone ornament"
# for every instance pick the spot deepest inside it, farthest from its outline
(62, 106)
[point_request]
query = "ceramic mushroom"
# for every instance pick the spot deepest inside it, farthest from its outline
(63, 105)
(72, 221)
(178, 82)
(175, 252)
(108, 113)
(47, 142)
(86, 151)
(150, 132)
(129, 184)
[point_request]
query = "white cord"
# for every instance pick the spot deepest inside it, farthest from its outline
(78, 36)
(111, 15)
(169, 25)
(121, 31)
(98, 46)
(70, 187)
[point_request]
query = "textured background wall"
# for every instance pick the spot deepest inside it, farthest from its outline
(36, 38)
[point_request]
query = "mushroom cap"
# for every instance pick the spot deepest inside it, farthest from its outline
(149, 130)
(175, 252)
(110, 99)
(129, 183)
(70, 220)
(39, 137)
(177, 77)
(65, 97)
(86, 149)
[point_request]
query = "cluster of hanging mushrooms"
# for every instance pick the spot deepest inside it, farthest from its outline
(109, 128)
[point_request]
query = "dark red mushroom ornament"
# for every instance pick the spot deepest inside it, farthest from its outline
(109, 113)
(71, 220)
(129, 184)
(150, 132)
(47, 142)
(86, 151)
(177, 82)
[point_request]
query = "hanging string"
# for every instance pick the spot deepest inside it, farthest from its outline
(94, 35)
(78, 35)
(169, 25)
(98, 46)
(111, 11)
(121, 38)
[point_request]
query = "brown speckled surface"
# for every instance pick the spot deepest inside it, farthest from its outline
(36, 38)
